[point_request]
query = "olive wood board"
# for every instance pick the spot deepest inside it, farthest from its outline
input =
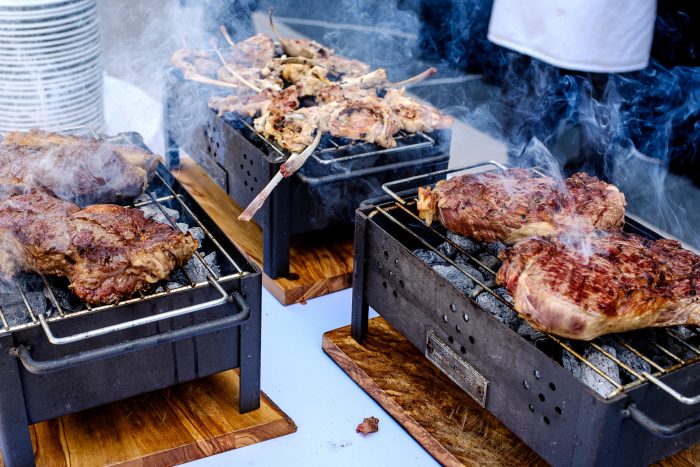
(441, 417)
(319, 263)
(168, 427)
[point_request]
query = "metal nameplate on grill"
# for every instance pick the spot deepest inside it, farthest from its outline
(459, 371)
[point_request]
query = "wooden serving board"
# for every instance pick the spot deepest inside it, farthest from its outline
(453, 428)
(319, 263)
(163, 428)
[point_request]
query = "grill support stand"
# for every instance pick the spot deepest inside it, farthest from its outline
(360, 308)
(249, 351)
(15, 441)
(276, 236)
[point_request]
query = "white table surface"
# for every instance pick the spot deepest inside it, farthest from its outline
(297, 375)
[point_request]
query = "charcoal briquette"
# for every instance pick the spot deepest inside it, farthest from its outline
(429, 257)
(455, 276)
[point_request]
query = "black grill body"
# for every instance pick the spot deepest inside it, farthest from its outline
(42, 380)
(558, 416)
(321, 194)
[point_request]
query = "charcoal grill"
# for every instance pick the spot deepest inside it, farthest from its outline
(643, 418)
(325, 192)
(71, 357)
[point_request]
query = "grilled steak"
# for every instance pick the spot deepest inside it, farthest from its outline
(514, 204)
(73, 169)
(107, 252)
(582, 287)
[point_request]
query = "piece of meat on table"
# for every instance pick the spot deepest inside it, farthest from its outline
(107, 252)
(513, 204)
(74, 169)
(582, 287)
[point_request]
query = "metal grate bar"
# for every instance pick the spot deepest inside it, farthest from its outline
(617, 361)
(586, 362)
(25, 300)
(208, 234)
(680, 341)
(445, 238)
(213, 275)
(667, 352)
(5, 324)
(52, 296)
(640, 354)
(446, 258)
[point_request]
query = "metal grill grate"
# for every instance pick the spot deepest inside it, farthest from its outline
(334, 150)
(50, 287)
(646, 345)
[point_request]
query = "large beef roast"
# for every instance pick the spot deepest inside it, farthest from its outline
(107, 252)
(513, 204)
(79, 170)
(582, 287)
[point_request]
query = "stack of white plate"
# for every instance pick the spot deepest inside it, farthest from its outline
(50, 65)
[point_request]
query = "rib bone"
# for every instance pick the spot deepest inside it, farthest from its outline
(292, 164)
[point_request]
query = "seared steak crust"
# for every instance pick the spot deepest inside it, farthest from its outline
(582, 287)
(513, 204)
(73, 169)
(107, 252)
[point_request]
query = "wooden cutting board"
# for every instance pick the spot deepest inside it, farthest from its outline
(453, 428)
(319, 263)
(163, 428)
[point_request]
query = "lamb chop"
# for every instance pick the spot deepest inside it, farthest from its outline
(415, 116)
(247, 57)
(581, 287)
(72, 168)
(514, 204)
(107, 252)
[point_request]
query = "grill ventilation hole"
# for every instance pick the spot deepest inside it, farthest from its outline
(526, 385)
(531, 407)
(471, 339)
(463, 349)
(545, 419)
(557, 410)
(552, 386)
(458, 328)
(466, 317)
(450, 339)
(541, 397)
(444, 318)
(537, 374)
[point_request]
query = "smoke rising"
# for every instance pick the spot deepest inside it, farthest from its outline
(629, 128)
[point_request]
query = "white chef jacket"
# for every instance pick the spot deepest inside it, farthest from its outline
(601, 36)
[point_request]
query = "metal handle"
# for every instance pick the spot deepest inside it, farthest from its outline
(659, 429)
(363, 172)
(41, 367)
(672, 392)
(137, 322)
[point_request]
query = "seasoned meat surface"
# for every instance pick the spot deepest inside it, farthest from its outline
(581, 287)
(74, 169)
(514, 204)
(107, 252)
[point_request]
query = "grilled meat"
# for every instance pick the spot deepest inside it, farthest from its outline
(253, 52)
(514, 204)
(71, 168)
(415, 116)
(581, 287)
(366, 120)
(107, 252)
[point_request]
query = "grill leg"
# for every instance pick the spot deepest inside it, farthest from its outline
(15, 442)
(172, 151)
(276, 239)
(249, 350)
(360, 307)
